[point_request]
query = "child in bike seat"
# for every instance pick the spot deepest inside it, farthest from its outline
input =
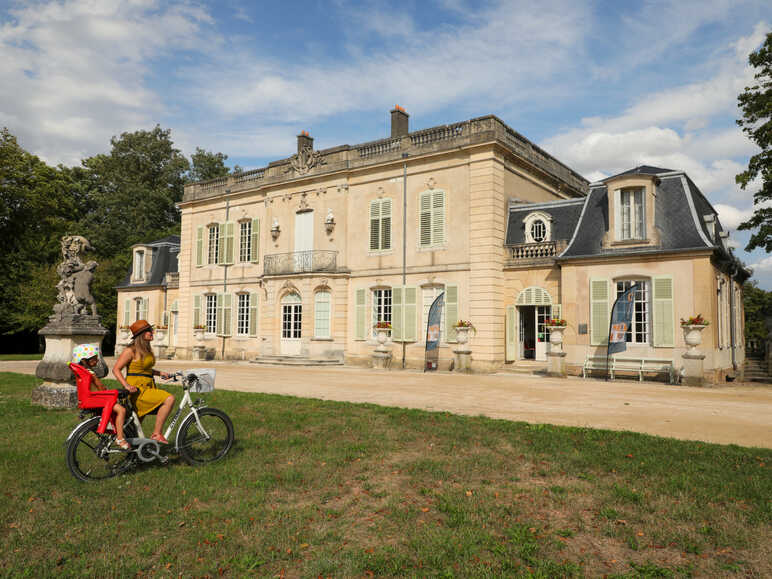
(93, 394)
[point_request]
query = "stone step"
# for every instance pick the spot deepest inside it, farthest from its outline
(296, 361)
(524, 368)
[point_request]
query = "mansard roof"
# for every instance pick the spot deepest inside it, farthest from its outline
(564, 215)
(165, 260)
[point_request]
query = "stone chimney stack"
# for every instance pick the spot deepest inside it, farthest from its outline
(305, 140)
(399, 122)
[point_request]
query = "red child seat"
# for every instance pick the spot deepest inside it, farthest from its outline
(87, 398)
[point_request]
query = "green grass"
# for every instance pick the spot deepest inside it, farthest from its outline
(325, 488)
(11, 357)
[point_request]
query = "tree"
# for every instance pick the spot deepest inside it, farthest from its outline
(206, 165)
(757, 304)
(756, 105)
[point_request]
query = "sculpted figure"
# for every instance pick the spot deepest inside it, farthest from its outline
(82, 289)
(74, 286)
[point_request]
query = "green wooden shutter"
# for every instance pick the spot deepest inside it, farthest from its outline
(663, 311)
(510, 333)
(359, 330)
(386, 224)
(253, 314)
(127, 312)
(254, 250)
(438, 217)
(227, 314)
(410, 313)
(196, 311)
(425, 223)
(228, 243)
(451, 311)
(220, 243)
(375, 225)
(199, 246)
(396, 314)
(218, 314)
(599, 311)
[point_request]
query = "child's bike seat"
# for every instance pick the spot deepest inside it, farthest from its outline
(88, 399)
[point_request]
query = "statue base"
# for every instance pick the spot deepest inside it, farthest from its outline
(199, 352)
(62, 334)
(462, 361)
(556, 364)
(381, 359)
(54, 395)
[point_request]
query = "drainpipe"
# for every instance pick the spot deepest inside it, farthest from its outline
(404, 247)
(225, 269)
(732, 316)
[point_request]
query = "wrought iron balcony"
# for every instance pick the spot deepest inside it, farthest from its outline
(300, 262)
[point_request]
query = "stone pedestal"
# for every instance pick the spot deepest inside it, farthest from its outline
(556, 364)
(462, 360)
(62, 334)
(199, 352)
(693, 369)
(381, 359)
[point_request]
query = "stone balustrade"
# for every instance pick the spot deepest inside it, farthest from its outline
(300, 262)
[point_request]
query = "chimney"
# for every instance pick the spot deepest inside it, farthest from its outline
(305, 140)
(399, 124)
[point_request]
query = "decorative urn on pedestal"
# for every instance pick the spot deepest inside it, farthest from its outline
(462, 354)
(693, 372)
(382, 353)
(556, 357)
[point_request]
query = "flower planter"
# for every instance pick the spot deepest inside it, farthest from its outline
(693, 336)
(198, 334)
(556, 334)
(160, 334)
(462, 334)
(382, 335)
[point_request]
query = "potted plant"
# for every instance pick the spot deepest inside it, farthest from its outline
(556, 327)
(160, 332)
(125, 333)
(198, 332)
(382, 329)
(463, 327)
(692, 328)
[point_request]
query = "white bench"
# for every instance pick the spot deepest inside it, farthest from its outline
(638, 366)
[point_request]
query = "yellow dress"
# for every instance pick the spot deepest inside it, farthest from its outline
(140, 374)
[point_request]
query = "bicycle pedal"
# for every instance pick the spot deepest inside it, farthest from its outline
(163, 459)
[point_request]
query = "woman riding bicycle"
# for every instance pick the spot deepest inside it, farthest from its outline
(139, 360)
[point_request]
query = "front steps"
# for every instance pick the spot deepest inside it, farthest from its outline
(755, 371)
(538, 367)
(296, 361)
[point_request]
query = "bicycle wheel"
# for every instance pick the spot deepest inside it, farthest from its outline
(92, 456)
(199, 446)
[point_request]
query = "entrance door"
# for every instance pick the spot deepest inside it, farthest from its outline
(304, 241)
(291, 318)
(542, 333)
(533, 333)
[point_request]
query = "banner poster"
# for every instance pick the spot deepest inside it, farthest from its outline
(433, 330)
(621, 320)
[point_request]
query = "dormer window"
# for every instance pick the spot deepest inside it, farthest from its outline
(139, 265)
(631, 213)
(538, 227)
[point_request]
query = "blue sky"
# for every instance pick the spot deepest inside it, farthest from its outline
(603, 86)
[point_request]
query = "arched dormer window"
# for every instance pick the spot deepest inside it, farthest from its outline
(538, 227)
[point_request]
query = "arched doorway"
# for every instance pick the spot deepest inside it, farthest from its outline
(291, 320)
(534, 309)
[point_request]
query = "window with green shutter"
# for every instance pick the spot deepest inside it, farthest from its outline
(254, 256)
(199, 246)
(509, 330)
(404, 314)
(253, 314)
(380, 224)
(197, 311)
(127, 312)
(451, 311)
(226, 243)
(360, 332)
(224, 314)
(599, 311)
(664, 325)
(431, 223)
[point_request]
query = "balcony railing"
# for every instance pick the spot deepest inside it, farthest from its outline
(300, 262)
(542, 250)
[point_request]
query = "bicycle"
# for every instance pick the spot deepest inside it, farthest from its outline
(205, 435)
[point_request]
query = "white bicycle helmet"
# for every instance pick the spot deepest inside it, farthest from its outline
(84, 352)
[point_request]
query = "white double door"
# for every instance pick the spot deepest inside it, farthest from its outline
(291, 323)
(304, 241)
(534, 335)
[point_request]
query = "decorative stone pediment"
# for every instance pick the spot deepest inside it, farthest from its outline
(304, 161)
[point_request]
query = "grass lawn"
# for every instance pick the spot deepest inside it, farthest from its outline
(10, 357)
(333, 489)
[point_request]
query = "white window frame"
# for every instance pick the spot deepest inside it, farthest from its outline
(210, 313)
(640, 331)
(322, 318)
(381, 307)
(531, 219)
(139, 265)
(428, 295)
(243, 304)
(632, 213)
(245, 241)
(213, 248)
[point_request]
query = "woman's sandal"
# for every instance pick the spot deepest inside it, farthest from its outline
(122, 443)
(159, 438)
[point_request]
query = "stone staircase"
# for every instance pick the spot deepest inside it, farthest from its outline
(525, 367)
(296, 361)
(756, 371)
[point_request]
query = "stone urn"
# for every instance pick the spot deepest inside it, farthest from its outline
(693, 336)
(198, 334)
(160, 333)
(462, 334)
(382, 335)
(124, 336)
(556, 364)
(556, 334)
(382, 353)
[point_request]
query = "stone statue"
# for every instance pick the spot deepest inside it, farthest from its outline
(75, 284)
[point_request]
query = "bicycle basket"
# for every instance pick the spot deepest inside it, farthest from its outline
(205, 379)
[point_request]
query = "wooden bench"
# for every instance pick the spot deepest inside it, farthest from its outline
(639, 366)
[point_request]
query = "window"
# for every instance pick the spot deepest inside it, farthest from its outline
(243, 310)
(432, 218)
(429, 295)
(245, 241)
(139, 265)
(381, 307)
(631, 213)
(639, 328)
(140, 309)
(538, 231)
(214, 244)
(211, 313)
(322, 314)
(292, 315)
(380, 225)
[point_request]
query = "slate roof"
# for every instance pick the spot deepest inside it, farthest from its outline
(565, 215)
(166, 252)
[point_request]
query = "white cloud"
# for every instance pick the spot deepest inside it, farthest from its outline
(75, 72)
(731, 217)
(762, 267)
